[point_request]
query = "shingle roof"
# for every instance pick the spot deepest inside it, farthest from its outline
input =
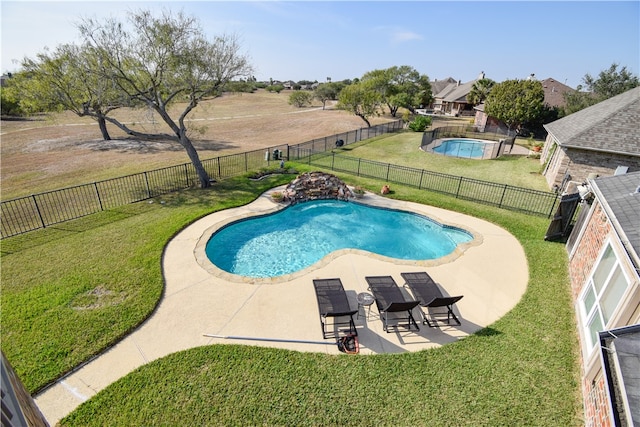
(554, 92)
(610, 126)
(438, 85)
(618, 192)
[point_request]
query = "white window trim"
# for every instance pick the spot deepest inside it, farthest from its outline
(589, 352)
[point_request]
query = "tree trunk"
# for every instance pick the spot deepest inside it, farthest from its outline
(363, 117)
(103, 128)
(203, 176)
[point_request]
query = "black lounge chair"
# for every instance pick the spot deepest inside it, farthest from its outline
(333, 302)
(432, 301)
(391, 303)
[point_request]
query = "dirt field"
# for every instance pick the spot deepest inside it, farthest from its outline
(61, 150)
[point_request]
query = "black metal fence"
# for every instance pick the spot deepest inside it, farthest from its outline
(41, 210)
(501, 195)
(432, 142)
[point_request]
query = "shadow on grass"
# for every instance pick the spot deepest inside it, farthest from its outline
(221, 195)
(60, 231)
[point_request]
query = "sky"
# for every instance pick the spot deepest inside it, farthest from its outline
(308, 40)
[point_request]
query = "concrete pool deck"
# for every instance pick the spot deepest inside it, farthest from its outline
(199, 301)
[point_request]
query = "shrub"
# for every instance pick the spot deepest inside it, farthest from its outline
(420, 123)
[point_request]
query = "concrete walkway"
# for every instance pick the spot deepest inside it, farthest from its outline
(201, 300)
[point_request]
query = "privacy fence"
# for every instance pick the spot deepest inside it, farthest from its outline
(41, 210)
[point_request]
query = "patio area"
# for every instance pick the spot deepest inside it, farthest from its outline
(200, 301)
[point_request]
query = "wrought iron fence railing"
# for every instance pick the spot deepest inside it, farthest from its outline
(504, 196)
(42, 210)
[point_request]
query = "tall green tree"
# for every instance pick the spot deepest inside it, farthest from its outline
(609, 83)
(516, 102)
(400, 86)
(360, 99)
(69, 78)
(163, 61)
(479, 91)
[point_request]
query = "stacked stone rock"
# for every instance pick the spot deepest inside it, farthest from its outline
(316, 186)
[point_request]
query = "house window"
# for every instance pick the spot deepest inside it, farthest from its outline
(601, 295)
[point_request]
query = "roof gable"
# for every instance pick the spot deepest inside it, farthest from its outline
(618, 192)
(609, 126)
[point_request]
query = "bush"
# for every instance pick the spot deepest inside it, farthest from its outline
(300, 98)
(420, 123)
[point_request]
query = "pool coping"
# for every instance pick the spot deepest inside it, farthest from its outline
(368, 199)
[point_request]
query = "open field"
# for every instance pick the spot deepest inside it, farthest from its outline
(62, 149)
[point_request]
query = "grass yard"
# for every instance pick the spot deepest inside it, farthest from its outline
(404, 149)
(103, 272)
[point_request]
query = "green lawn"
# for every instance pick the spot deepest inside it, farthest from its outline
(404, 149)
(522, 370)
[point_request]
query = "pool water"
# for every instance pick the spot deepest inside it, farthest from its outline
(468, 148)
(301, 235)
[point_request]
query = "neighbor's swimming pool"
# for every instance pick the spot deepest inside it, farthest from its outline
(301, 235)
(462, 147)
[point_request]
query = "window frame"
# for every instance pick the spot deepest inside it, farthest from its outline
(590, 338)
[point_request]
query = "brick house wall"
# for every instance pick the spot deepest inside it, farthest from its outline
(587, 249)
(596, 402)
(581, 262)
(580, 163)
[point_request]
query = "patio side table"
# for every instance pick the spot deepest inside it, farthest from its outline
(365, 299)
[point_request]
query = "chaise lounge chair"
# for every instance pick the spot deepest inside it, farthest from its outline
(333, 302)
(432, 301)
(391, 303)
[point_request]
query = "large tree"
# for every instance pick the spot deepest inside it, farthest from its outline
(360, 99)
(516, 102)
(608, 84)
(400, 86)
(165, 60)
(69, 78)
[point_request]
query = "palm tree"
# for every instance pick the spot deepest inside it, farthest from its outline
(479, 91)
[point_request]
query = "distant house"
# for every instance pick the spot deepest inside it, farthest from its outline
(604, 272)
(553, 98)
(452, 99)
(598, 140)
(554, 93)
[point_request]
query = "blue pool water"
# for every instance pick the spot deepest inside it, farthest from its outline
(301, 235)
(468, 148)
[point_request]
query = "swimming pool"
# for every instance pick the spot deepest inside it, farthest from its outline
(462, 147)
(297, 237)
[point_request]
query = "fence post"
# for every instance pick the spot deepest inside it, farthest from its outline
(186, 175)
(504, 191)
(420, 182)
(146, 180)
(246, 162)
(359, 160)
(553, 207)
(388, 170)
(459, 186)
(333, 161)
(35, 203)
(95, 185)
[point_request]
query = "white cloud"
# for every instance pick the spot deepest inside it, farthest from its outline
(400, 36)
